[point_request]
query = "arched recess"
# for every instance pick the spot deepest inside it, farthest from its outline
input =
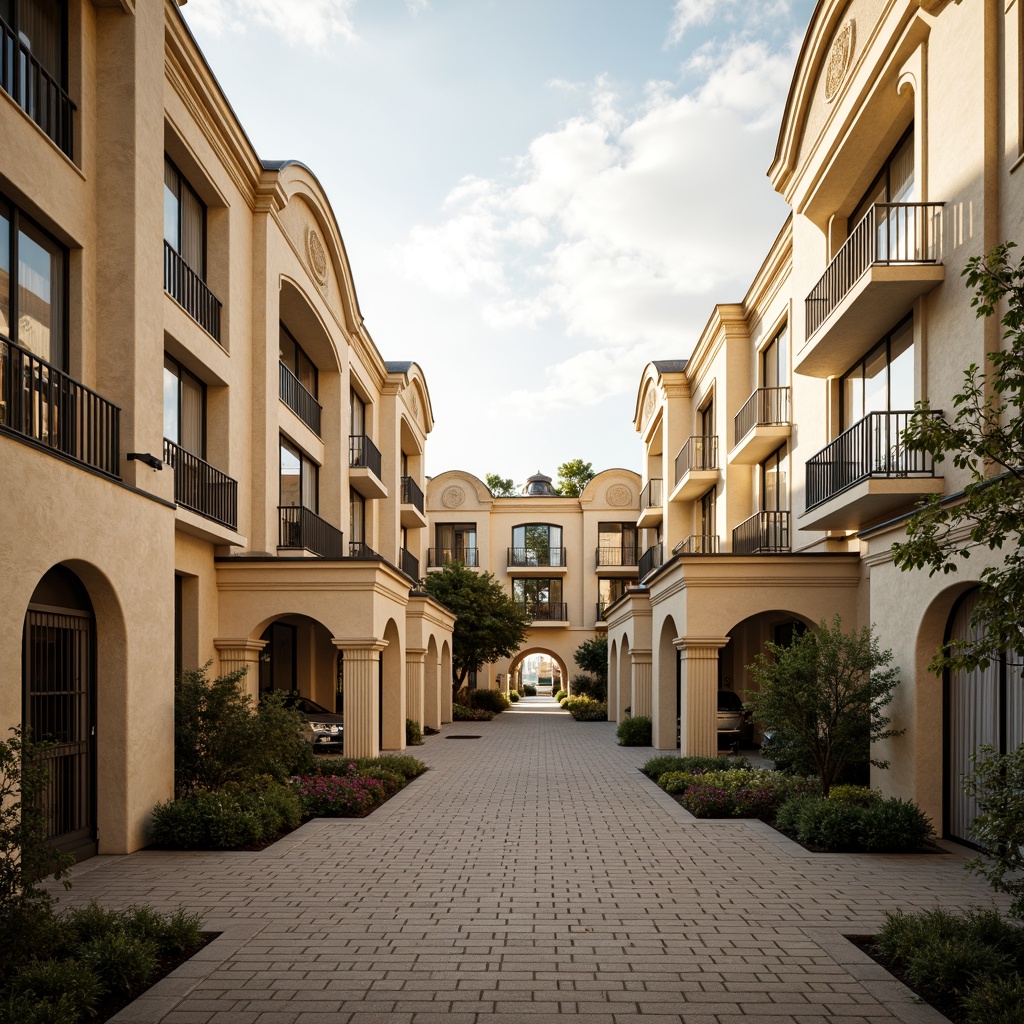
(392, 690)
(299, 656)
(747, 639)
(557, 660)
(445, 683)
(665, 689)
(613, 681)
(431, 687)
(625, 680)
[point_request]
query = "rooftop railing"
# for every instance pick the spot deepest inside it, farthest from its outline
(201, 488)
(698, 544)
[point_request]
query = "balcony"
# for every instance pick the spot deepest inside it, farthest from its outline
(201, 488)
(365, 467)
(651, 559)
(46, 407)
(760, 426)
(189, 290)
(360, 549)
(651, 510)
(764, 533)
(696, 468)
(412, 513)
(697, 544)
(437, 558)
(891, 258)
(536, 558)
(623, 559)
(865, 474)
(409, 564)
(303, 530)
(294, 394)
(545, 611)
(23, 78)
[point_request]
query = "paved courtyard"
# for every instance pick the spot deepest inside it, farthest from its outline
(532, 873)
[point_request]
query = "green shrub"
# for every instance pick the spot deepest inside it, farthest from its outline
(561, 694)
(406, 765)
(658, 766)
(27, 1009)
(331, 764)
(122, 962)
(832, 825)
(788, 816)
(995, 1000)
(529, 690)
(68, 987)
(391, 781)
(893, 826)
(563, 702)
(413, 733)
(855, 796)
(327, 796)
(635, 732)
(586, 709)
(513, 696)
(488, 700)
(460, 713)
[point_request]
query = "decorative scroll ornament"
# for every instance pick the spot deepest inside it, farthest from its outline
(619, 496)
(453, 497)
(839, 59)
(648, 406)
(315, 255)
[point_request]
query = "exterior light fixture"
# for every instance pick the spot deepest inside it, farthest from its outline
(150, 460)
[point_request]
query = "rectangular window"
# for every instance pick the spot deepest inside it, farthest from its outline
(883, 381)
(184, 408)
(301, 366)
(707, 420)
(610, 590)
(774, 482)
(356, 517)
(537, 544)
(616, 544)
(706, 514)
(358, 416)
(456, 542)
(184, 219)
(298, 478)
(33, 287)
(775, 361)
(532, 592)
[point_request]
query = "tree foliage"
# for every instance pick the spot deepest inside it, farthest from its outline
(826, 691)
(500, 486)
(985, 437)
(488, 624)
(592, 657)
(573, 476)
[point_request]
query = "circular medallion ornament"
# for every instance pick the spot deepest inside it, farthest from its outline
(316, 256)
(453, 497)
(619, 496)
(648, 406)
(839, 59)
(415, 404)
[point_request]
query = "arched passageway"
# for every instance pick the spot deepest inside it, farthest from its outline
(541, 667)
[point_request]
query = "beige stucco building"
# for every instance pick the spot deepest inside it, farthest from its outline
(204, 457)
(564, 560)
(775, 477)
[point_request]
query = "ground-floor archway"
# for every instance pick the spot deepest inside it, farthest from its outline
(541, 667)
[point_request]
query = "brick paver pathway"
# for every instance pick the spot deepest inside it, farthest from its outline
(532, 873)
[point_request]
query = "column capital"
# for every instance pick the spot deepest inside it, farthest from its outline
(415, 652)
(640, 653)
(693, 644)
(242, 643)
(368, 644)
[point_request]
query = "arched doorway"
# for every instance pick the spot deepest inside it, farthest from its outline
(59, 705)
(540, 667)
(983, 707)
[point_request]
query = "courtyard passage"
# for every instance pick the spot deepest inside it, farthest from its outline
(532, 874)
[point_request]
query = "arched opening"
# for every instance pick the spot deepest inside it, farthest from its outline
(983, 707)
(392, 690)
(299, 657)
(431, 687)
(59, 705)
(445, 688)
(613, 681)
(625, 681)
(665, 712)
(543, 667)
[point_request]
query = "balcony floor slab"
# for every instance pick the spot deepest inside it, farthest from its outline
(869, 501)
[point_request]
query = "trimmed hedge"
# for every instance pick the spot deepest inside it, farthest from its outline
(586, 709)
(635, 732)
(488, 700)
(658, 766)
(461, 713)
(883, 826)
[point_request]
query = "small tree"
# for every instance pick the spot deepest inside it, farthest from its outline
(826, 692)
(488, 624)
(573, 476)
(985, 436)
(592, 657)
(499, 486)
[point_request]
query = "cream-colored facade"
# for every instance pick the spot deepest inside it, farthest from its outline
(564, 560)
(775, 478)
(204, 456)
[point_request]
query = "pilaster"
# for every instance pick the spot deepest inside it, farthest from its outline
(641, 695)
(698, 696)
(415, 660)
(362, 695)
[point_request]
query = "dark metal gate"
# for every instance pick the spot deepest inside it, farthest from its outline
(59, 699)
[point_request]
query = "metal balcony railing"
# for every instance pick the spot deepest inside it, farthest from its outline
(872, 448)
(545, 611)
(445, 556)
(700, 453)
(651, 559)
(363, 454)
(36, 91)
(360, 549)
(45, 405)
(766, 407)
(650, 496)
(294, 394)
(201, 488)
(625, 556)
(189, 290)
(410, 564)
(303, 528)
(888, 234)
(697, 544)
(602, 607)
(411, 493)
(763, 533)
(522, 558)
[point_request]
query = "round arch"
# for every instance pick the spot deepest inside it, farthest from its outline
(392, 690)
(558, 660)
(665, 692)
(432, 686)
(298, 655)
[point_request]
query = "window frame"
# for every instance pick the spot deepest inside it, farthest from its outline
(884, 343)
(300, 356)
(182, 180)
(779, 461)
(305, 462)
(182, 369)
(777, 351)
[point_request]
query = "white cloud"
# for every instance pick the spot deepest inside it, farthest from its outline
(754, 17)
(309, 23)
(417, 6)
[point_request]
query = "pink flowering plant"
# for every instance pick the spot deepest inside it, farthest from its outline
(328, 796)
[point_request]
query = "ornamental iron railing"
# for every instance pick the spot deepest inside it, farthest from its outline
(650, 496)
(698, 544)
(624, 556)
(545, 611)
(700, 453)
(294, 394)
(437, 557)
(201, 488)
(763, 533)
(302, 528)
(363, 454)
(410, 564)
(651, 559)
(190, 291)
(411, 493)
(766, 407)
(523, 558)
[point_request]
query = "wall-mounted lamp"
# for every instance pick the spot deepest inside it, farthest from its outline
(150, 460)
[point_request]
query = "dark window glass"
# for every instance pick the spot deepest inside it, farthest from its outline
(184, 219)
(883, 381)
(356, 517)
(706, 512)
(298, 477)
(297, 361)
(277, 659)
(774, 472)
(358, 415)
(775, 361)
(184, 408)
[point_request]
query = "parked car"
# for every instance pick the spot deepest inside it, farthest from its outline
(323, 728)
(733, 722)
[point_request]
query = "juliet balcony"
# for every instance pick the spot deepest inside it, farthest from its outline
(190, 292)
(696, 468)
(364, 461)
(764, 533)
(51, 410)
(697, 544)
(537, 558)
(294, 394)
(545, 611)
(892, 257)
(438, 558)
(616, 561)
(412, 509)
(200, 488)
(762, 424)
(866, 473)
(651, 508)
(301, 529)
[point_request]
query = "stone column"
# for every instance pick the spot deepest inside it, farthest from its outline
(415, 659)
(233, 654)
(641, 695)
(432, 684)
(362, 695)
(698, 697)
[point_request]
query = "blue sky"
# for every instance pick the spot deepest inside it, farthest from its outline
(537, 196)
